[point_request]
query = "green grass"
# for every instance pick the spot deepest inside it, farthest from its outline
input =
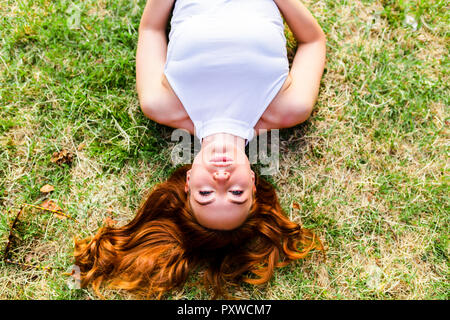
(369, 169)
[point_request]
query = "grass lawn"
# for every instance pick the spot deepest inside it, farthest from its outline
(369, 170)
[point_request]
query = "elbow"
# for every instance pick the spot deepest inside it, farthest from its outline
(151, 110)
(151, 103)
(297, 113)
(157, 111)
(147, 109)
(322, 37)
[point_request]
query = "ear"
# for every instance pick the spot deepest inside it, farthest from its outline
(188, 177)
(253, 180)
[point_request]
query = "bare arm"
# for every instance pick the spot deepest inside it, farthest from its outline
(151, 48)
(296, 103)
(155, 100)
(309, 60)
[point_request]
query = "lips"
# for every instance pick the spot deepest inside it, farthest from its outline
(221, 161)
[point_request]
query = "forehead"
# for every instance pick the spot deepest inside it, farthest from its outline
(220, 214)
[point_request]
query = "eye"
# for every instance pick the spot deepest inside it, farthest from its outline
(237, 192)
(205, 193)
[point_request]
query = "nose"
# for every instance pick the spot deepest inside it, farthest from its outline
(221, 175)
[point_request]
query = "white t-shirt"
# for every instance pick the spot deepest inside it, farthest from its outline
(226, 61)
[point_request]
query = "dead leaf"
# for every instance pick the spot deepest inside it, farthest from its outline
(47, 188)
(295, 205)
(64, 156)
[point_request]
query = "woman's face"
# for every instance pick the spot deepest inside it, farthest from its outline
(221, 184)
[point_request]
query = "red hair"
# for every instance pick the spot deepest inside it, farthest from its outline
(155, 252)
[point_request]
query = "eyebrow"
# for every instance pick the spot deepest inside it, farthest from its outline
(212, 200)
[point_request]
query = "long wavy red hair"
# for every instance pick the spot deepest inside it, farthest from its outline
(155, 252)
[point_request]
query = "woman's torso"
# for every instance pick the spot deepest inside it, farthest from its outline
(226, 61)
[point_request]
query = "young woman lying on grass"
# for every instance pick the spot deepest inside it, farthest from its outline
(223, 76)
